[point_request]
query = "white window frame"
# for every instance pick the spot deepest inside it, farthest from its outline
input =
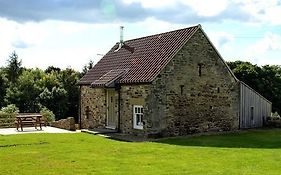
(135, 113)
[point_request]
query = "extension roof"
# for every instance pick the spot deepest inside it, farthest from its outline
(138, 60)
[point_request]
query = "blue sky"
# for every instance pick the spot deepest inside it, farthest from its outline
(68, 33)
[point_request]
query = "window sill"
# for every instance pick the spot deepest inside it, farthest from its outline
(138, 127)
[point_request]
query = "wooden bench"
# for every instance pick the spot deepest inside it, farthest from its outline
(29, 119)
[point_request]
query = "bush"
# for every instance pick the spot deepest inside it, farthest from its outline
(10, 109)
(47, 114)
(274, 116)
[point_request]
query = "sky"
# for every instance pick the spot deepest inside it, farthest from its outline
(70, 33)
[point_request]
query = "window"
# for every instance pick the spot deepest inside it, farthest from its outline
(200, 69)
(138, 117)
(252, 113)
(87, 112)
(181, 86)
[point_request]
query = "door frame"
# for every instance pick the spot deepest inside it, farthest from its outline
(107, 109)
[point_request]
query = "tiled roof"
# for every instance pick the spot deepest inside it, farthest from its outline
(108, 78)
(142, 58)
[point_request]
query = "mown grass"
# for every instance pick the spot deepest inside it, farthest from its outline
(252, 152)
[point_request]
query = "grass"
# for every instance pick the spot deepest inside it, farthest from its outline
(253, 152)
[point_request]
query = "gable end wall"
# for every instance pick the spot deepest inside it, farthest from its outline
(182, 102)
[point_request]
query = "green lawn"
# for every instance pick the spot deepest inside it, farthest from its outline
(252, 152)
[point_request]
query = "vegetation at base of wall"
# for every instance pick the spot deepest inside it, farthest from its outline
(47, 114)
(274, 116)
(253, 152)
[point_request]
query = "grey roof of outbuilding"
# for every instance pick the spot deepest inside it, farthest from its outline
(140, 60)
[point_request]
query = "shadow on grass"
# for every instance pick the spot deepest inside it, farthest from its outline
(249, 139)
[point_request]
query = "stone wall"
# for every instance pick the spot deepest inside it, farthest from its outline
(93, 107)
(133, 95)
(186, 99)
(68, 124)
(194, 93)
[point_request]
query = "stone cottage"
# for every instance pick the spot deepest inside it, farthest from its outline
(168, 84)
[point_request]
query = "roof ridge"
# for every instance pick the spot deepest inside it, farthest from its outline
(198, 25)
(150, 55)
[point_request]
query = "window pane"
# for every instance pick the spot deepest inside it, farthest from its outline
(141, 117)
(137, 119)
(135, 109)
(141, 110)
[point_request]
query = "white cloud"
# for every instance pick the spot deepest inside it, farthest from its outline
(151, 3)
(55, 43)
(207, 8)
(247, 11)
(162, 26)
(265, 50)
(60, 43)
(62, 57)
(201, 7)
(271, 42)
(273, 15)
(7, 35)
(265, 11)
(32, 33)
(221, 39)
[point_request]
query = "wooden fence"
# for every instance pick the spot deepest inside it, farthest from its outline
(7, 120)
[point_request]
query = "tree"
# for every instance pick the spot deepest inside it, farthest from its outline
(52, 69)
(32, 89)
(87, 67)
(14, 68)
(271, 85)
(3, 86)
(50, 80)
(55, 100)
(25, 92)
(248, 73)
(68, 79)
(266, 80)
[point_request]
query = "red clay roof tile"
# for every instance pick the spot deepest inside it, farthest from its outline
(143, 58)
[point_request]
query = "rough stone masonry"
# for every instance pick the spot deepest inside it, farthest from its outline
(194, 93)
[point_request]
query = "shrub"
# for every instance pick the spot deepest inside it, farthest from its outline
(274, 116)
(10, 109)
(47, 114)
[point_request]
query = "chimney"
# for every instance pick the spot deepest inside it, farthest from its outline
(121, 42)
(121, 35)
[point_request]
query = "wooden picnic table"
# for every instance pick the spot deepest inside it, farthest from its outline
(28, 120)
